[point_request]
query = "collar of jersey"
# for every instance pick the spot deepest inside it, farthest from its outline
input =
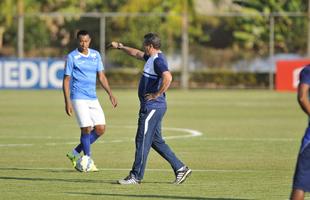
(153, 56)
(83, 54)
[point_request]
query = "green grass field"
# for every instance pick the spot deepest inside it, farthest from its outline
(247, 151)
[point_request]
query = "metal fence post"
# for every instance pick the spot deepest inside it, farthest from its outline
(102, 37)
(271, 50)
(308, 22)
(184, 75)
(20, 29)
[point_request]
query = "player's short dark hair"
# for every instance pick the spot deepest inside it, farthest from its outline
(153, 39)
(82, 32)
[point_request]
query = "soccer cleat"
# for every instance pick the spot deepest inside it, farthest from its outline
(129, 180)
(94, 168)
(182, 174)
(73, 158)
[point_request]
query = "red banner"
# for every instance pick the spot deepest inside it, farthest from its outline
(287, 76)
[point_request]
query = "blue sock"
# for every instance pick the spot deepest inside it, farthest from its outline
(85, 141)
(93, 138)
(79, 147)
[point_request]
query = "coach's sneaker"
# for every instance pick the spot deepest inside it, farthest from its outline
(73, 158)
(129, 180)
(182, 174)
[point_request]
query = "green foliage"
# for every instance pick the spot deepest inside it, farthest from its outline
(36, 37)
(243, 36)
(123, 78)
(7, 10)
(252, 33)
(199, 79)
(228, 79)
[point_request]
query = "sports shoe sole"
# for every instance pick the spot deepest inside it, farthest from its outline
(123, 183)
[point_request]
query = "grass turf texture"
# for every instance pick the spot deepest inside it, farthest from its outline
(247, 151)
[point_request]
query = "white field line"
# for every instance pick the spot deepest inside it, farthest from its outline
(190, 133)
(254, 139)
(16, 145)
(125, 169)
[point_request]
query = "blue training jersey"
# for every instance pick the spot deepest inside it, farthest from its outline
(304, 77)
(83, 72)
(151, 80)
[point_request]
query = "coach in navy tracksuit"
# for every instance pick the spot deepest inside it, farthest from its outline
(154, 82)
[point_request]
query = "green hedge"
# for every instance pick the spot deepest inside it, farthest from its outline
(197, 79)
(229, 79)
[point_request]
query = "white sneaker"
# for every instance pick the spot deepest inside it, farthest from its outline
(182, 174)
(129, 180)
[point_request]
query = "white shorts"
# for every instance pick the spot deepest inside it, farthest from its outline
(88, 112)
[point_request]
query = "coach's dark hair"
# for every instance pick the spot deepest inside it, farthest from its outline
(153, 39)
(82, 32)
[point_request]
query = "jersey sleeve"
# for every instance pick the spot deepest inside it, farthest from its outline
(69, 66)
(100, 66)
(304, 76)
(160, 66)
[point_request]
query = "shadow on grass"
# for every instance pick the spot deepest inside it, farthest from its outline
(56, 179)
(152, 196)
(114, 182)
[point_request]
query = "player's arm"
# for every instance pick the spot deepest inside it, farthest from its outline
(66, 92)
(129, 50)
(303, 97)
(105, 84)
(166, 81)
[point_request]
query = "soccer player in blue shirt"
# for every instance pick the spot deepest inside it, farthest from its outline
(301, 182)
(154, 82)
(83, 66)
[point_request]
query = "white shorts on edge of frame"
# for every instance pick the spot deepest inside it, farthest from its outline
(88, 112)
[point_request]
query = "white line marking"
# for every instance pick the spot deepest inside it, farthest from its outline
(193, 133)
(125, 169)
(190, 133)
(254, 139)
(16, 145)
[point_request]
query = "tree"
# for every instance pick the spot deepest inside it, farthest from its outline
(132, 29)
(6, 18)
(252, 33)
